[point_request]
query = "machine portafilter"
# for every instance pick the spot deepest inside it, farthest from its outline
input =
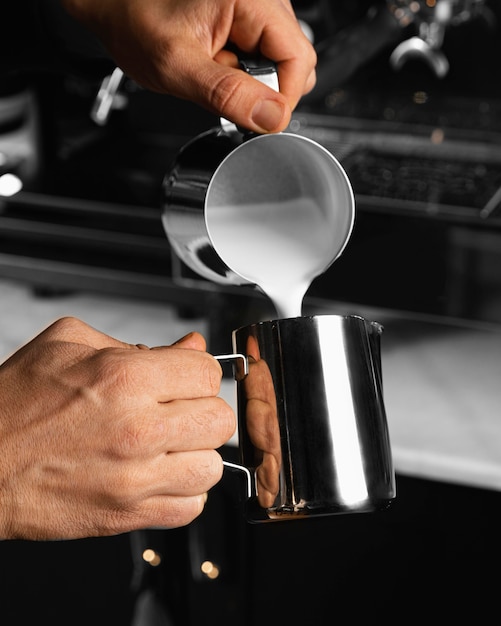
(413, 29)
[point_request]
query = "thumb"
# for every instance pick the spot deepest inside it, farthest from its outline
(191, 341)
(243, 99)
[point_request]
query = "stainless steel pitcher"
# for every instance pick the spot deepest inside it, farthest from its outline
(225, 178)
(313, 436)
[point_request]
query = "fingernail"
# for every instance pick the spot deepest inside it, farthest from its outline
(268, 114)
(187, 336)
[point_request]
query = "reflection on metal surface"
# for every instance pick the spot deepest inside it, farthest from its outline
(343, 423)
(108, 98)
(417, 48)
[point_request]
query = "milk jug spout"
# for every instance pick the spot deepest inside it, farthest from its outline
(375, 330)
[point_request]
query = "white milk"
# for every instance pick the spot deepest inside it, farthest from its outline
(279, 246)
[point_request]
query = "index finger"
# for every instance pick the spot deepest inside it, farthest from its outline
(277, 35)
(180, 373)
(165, 373)
(72, 330)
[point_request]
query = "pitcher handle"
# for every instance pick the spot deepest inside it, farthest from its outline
(263, 70)
(239, 374)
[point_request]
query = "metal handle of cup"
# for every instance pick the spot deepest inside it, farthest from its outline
(238, 375)
(263, 70)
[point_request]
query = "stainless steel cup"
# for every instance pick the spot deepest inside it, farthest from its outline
(225, 183)
(313, 436)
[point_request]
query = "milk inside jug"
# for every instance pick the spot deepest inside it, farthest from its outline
(281, 247)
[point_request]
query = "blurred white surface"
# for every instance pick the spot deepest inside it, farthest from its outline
(24, 315)
(442, 388)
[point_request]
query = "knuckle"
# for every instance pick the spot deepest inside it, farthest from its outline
(309, 53)
(65, 322)
(225, 418)
(123, 376)
(133, 438)
(202, 474)
(63, 327)
(211, 374)
(217, 420)
(224, 92)
(174, 512)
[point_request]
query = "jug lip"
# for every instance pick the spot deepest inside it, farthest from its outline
(327, 155)
(311, 318)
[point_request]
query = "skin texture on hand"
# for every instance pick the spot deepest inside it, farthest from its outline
(98, 437)
(179, 47)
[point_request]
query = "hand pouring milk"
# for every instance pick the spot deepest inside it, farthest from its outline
(268, 210)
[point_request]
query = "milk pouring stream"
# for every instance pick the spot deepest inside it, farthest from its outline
(281, 247)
